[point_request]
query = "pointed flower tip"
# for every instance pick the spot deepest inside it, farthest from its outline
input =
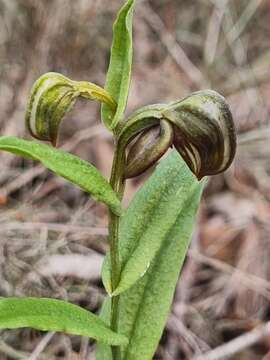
(204, 132)
(52, 97)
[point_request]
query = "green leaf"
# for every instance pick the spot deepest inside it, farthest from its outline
(119, 72)
(104, 352)
(149, 218)
(70, 167)
(55, 315)
(144, 307)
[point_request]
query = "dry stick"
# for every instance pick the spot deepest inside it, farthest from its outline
(41, 346)
(84, 135)
(21, 180)
(254, 135)
(176, 326)
(84, 348)
(235, 30)
(213, 33)
(12, 353)
(253, 282)
(248, 78)
(53, 227)
(17, 354)
(172, 46)
(235, 346)
(233, 85)
(239, 51)
(243, 20)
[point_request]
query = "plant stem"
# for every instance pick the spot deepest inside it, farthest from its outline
(115, 276)
(117, 182)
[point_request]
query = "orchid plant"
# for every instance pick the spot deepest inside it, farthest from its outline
(148, 240)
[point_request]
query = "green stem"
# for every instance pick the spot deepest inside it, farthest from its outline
(118, 183)
(127, 130)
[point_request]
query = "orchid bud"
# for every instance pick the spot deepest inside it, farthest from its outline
(52, 96)
(148, 148)
(204, 132)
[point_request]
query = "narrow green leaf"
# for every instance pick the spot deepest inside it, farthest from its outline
(70, 167)
(55, 315)
(150, 217)
(144, 307)
(103, 351)
(119, 72)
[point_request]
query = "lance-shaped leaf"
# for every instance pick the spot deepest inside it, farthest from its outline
(143, 308)
(70, 167)
(52, 96)
(204, 132)
(55, 315)
(149, 218)
(119, 72)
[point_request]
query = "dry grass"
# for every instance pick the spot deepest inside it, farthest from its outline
(222, 301)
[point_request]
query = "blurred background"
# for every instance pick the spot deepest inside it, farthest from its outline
(53, 237)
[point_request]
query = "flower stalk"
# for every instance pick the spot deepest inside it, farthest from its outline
(117, 182)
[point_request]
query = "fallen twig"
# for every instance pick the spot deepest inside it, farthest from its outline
(255, 283)
(41, 346)
(239, 344)
(173, 47)
(30, 226)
